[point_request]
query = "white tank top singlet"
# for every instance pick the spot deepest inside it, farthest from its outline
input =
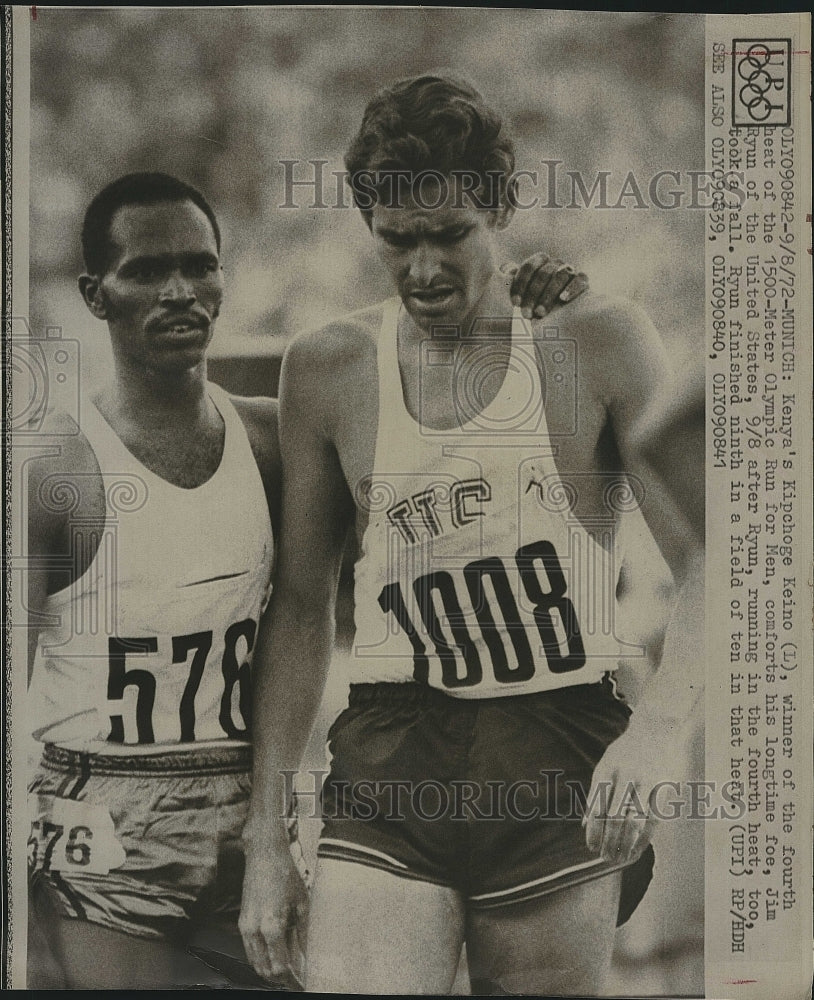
(475, 576)
(149, 650)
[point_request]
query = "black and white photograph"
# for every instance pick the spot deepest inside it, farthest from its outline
(410, 550)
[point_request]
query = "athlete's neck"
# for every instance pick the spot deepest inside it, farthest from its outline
(148, 396)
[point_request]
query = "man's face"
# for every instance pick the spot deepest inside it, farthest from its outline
(440, 259)
(163, 287)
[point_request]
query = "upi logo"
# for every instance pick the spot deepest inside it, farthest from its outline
(761, 84)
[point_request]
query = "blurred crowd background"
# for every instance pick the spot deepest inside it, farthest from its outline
(220, 98)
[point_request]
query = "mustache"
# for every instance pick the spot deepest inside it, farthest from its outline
(196, 320)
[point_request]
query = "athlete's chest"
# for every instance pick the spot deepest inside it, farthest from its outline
(182, 457)
(454, 400)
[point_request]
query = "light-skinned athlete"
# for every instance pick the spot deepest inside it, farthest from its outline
(483, 461)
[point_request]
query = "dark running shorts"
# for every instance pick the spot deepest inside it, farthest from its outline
(143, 844)
(485, 796)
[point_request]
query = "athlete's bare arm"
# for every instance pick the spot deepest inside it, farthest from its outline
(672, 441)
(64, 482)
(260, 416)
(627, 367)
(295, 643)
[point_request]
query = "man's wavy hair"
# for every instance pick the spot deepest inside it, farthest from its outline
(437, 123)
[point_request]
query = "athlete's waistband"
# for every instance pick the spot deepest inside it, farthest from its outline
(413, 693)
(230, 759)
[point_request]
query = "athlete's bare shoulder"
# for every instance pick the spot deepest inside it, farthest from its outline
(58, 422)
(260, 416)
(64, 479)
(617, 343)
(65, 449)
(325, 368)
(339, 343)
(618, 317)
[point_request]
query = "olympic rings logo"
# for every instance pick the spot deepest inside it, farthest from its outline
(760, 85)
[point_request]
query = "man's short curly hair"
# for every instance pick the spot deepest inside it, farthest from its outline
(132, 189)
(436, 123)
